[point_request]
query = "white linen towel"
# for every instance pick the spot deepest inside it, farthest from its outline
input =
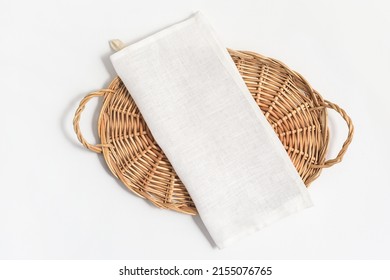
(202, 115)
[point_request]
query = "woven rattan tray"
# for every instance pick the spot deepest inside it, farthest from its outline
(297, 113)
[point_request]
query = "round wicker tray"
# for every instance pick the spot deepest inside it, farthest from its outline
(297, 113)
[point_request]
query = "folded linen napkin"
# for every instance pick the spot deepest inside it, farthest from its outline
(202, 115)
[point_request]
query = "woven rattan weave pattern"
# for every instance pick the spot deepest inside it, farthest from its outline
(297, 113)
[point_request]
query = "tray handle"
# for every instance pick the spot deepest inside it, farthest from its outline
(97, 148)
(330, 162)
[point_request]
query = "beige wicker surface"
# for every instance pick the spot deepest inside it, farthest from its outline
(297, 113)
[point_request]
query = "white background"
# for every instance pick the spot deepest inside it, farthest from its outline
(59, 200)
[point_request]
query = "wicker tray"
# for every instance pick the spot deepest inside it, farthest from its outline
(297, 113)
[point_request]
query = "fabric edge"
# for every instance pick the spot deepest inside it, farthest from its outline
(289, 208)
(155, 36)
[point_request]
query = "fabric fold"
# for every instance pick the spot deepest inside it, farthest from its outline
(202, 115)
